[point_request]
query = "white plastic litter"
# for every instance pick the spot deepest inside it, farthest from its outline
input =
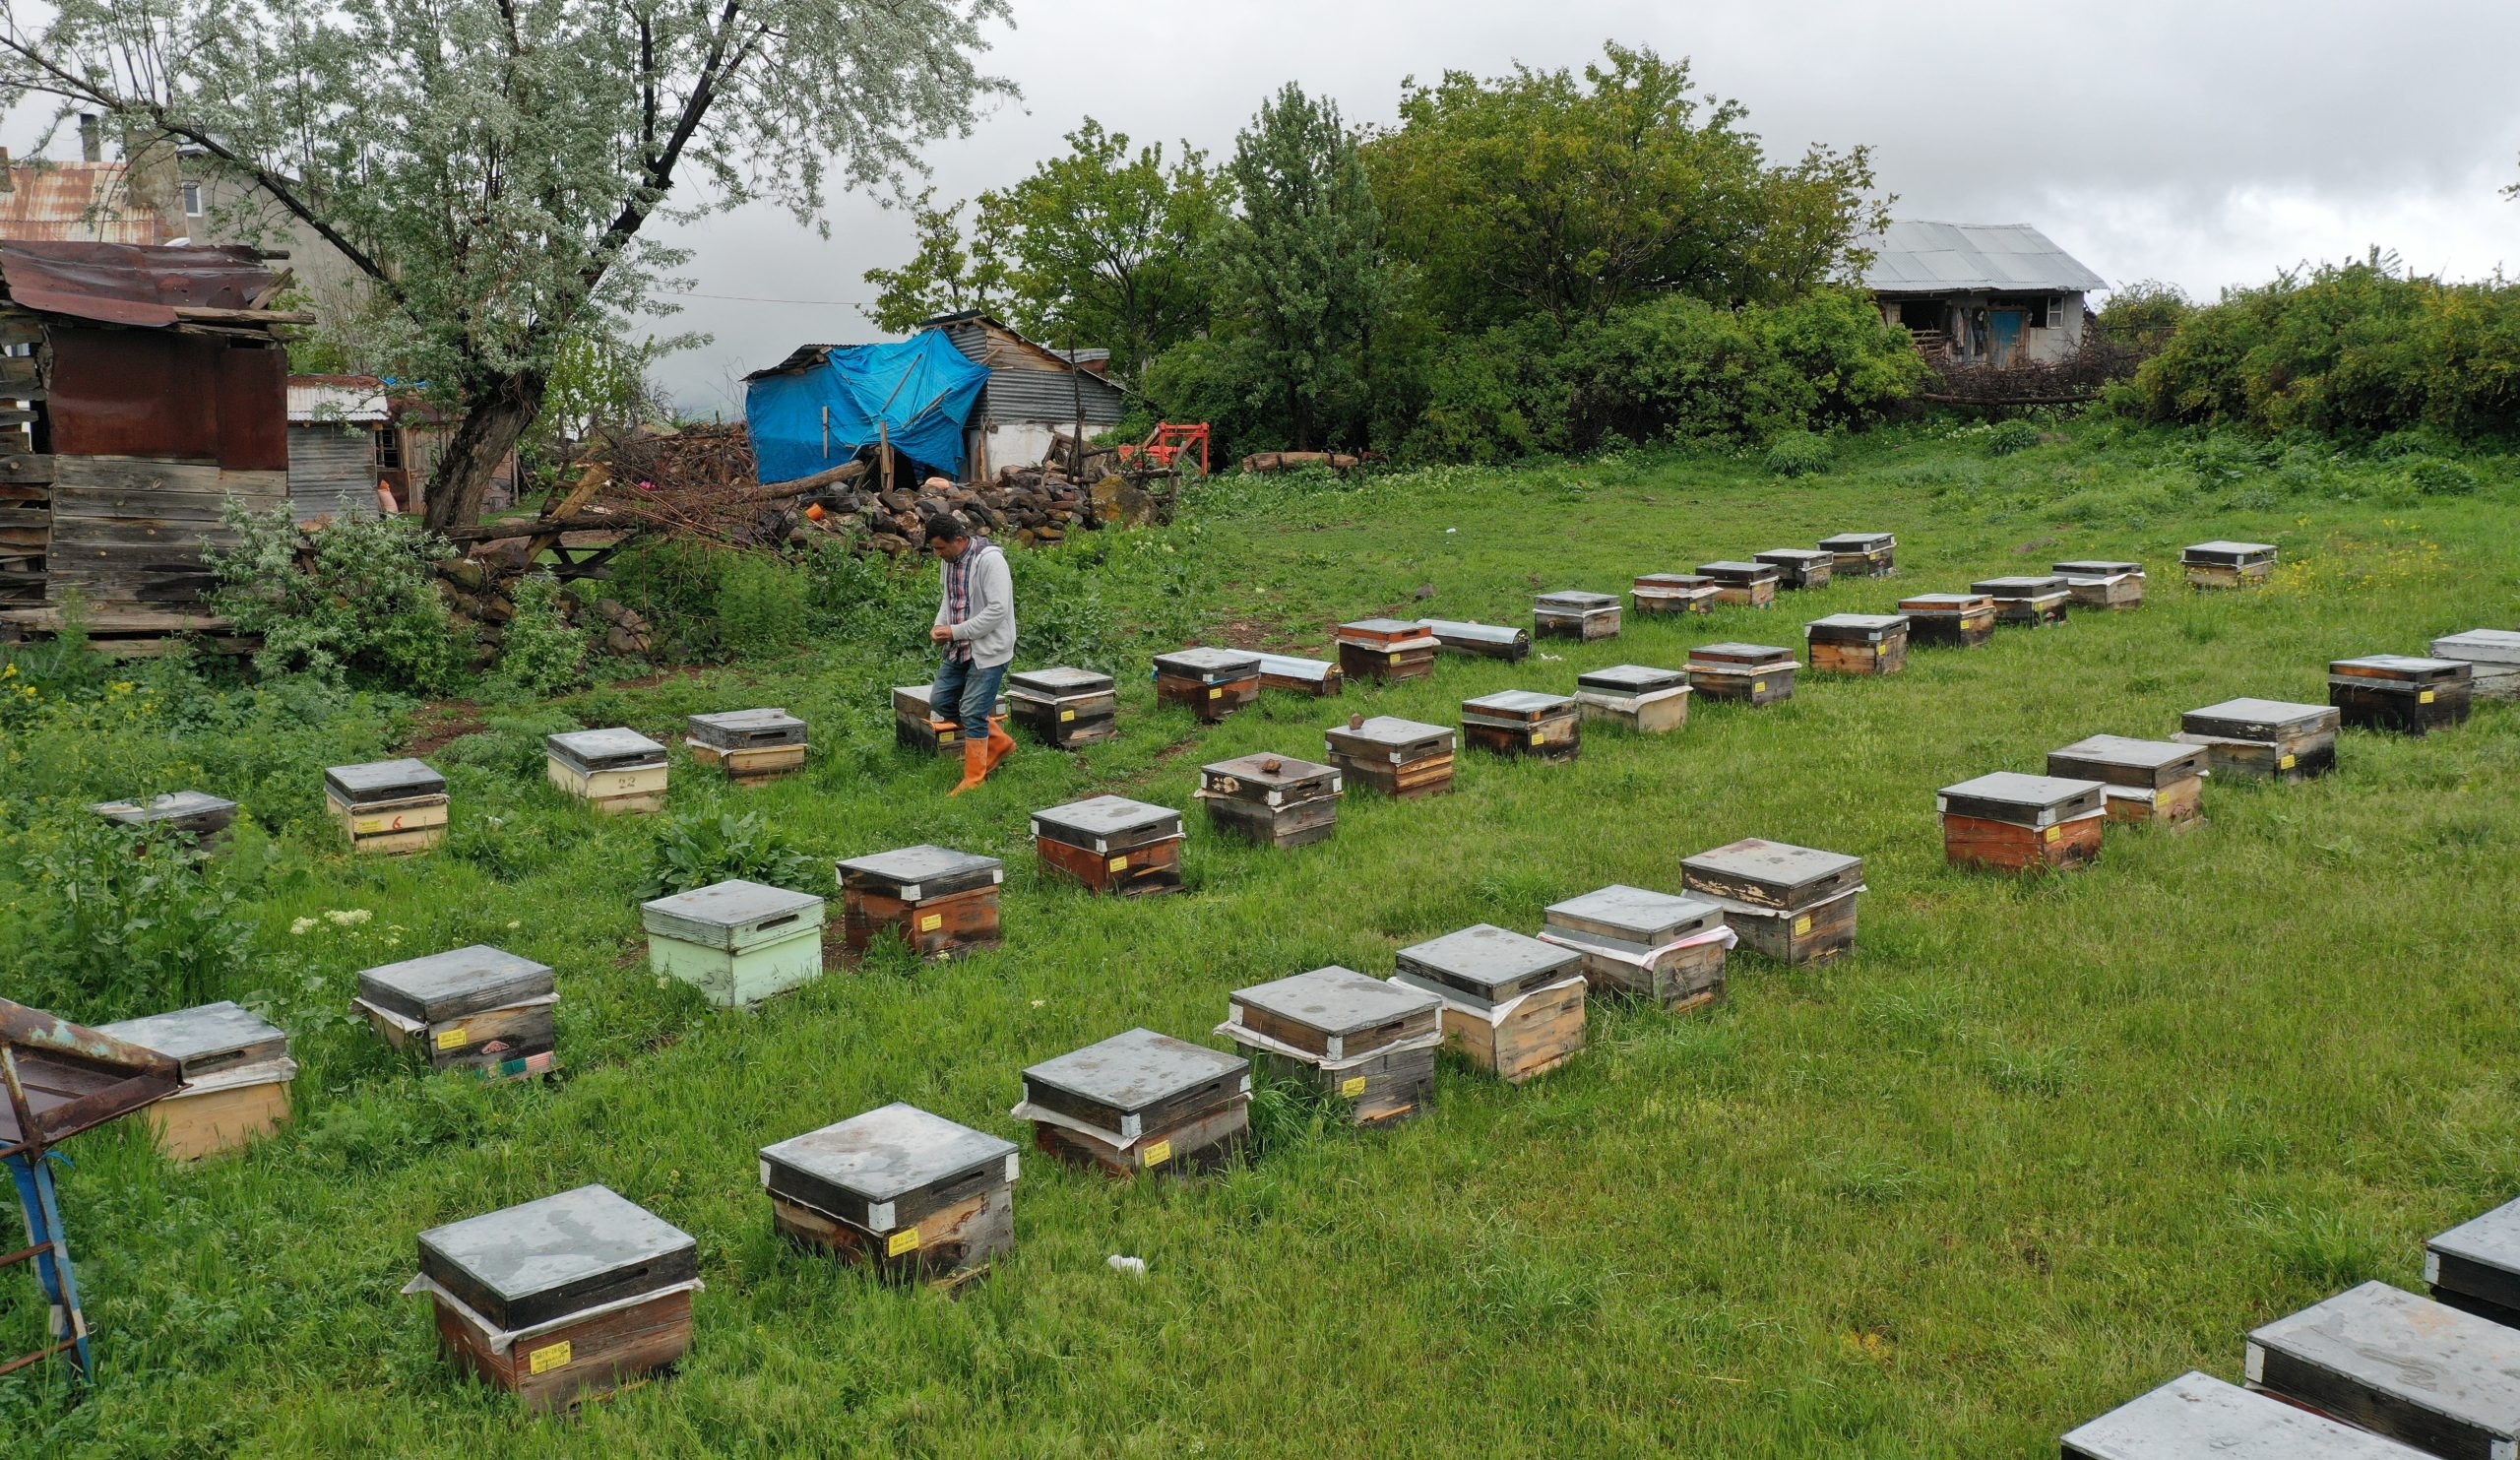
(1134, 1266)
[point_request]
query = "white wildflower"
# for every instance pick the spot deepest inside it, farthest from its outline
(301, 928)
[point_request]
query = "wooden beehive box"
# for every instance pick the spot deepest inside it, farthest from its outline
(1800, 567)
(1962, 620)
(916, 725)
(2492, 657)
(1644, 945)
(1365, 1043)
(1272, 801)
(1574, 615)
(2400, 692)
(1859, 643)
(2196, 1417)
(235, 1071)
(387, 808)
(202, 818)
(1523, 722)
(1635, 697)
(1111, 845)
(914, 1196)
(738, 942)
(750, 747)
(2263, 737)
(1140, 1101)
(2014, 823)
(942, 903)
(1742, 584)
(1862, 554)
(617, 771)
(2030, 601)
(2221, 564)
(1485, 640)
(1793, 904)
(2377, 1356)
(1402, 758)
(562, 1300)
(1513, 1005)
(2101, 583)
(1388, 649)
(2475, 1266)
(1674, 593)
(1318, 677)
(1213, 683)
(1064, 707)
(1754, 674)
(2143, 780)
(478, 1008)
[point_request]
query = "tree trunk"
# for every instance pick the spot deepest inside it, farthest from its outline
(496, 413)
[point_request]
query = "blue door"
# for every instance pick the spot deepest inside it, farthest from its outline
(2007, 337)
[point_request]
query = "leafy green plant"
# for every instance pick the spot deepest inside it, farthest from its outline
(1798, 454)
(135, 927)
(354, 595)
(543, 652)
(2006, 437)
(700, 848)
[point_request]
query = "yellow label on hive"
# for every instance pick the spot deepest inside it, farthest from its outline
(2286, 763)
(931, 923)
(1157, 1154)
(1394, 659)
(944, 735)
(1881, 649)
(1803, 924)
(1540, 738)
(1758, 687)
(450, 1038)
(1352, 1087)
(1066, 714)
(2423, 697)
(547, 1358)
(1118, 862)
(2055, 833)
(1216, 693)
(370, 825)
(904, 1240)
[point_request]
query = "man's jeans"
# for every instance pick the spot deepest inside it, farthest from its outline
(968, 693)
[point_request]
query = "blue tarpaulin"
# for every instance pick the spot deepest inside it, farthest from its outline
(921, 390)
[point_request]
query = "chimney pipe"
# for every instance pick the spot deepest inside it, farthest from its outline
(91, 138)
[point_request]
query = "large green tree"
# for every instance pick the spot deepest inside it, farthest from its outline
(492, 166)
(948, 272)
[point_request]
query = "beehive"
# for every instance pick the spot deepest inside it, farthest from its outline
(202, 818)
(2221, 564)
(2142, 779)
(2014, 823)
(1522, 722)
(917, 726)
(1742, 584)
(750, 747)
(1318, 677)
(1385, 649)
(1111, 845)
(2399, 1365)
(940, 902)
(1635, 697)
(2027, 602)
(1366, 1044)
(387, 808)
(235, 1071)
(1485, 640)
(561, 1300)
(619, 772)
(1962, 621)
(2475, 1266)
(1793, 904)
(1754, 674)
(2196, 1417)
(1272, 801)
(1862, 554)
(1674, 593)
(478, 1008)
(1213, 683)
(1649, 947)
(738, 942)
(1063, 707)
(2492, 657)
(1800, 567)
(1574, 615)
(1513, 1005)
(1859, 643)
(2098, 583)
(914, 1196)
(2263, 737)
(2398, 692)
(1402, 758)
(1140, 1101)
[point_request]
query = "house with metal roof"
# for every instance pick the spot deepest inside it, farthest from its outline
(1033, 393)
(1991, 294)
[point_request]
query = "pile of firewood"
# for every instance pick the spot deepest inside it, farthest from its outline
(481, 595)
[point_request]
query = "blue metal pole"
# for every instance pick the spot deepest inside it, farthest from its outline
(42, 1203)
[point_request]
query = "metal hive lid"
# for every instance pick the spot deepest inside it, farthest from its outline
(1868, 622)
(1134, 1070)
(1487, 955)
(1637, 909)
(555, 1241)
(1859, 542)
(731, 904)
(1106, 815)
(2019, 583)
(1337, 1000)
(920, 863)
(1255, 769)
(747, 720)
(1290, 667)
(1734, 566)
(1744, 652)
(1211, 661)
(1755, 860)
(1519, 702)
(1391, 730)
(1633, 678)
(1675, 579)
(612, 744)
(2222, 546)
(1575, 598)
(2271, 712)
(461, 975)
(189, 1035)
(2418, 1352)
(2493, 1239)
(170, 807)
(2094, 567)
(2012, 787)
(1383, 626)
(2480, 646)
(1060, 679)
(2196, 1414)
(1795, 554)
(2122, 750)
(889, 1152)
(1941, 599)
(407, 776)
(2401, 663)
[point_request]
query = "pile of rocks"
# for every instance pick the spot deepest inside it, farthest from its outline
(1026, 505)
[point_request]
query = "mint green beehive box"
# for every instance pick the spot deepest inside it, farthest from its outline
(739, 942)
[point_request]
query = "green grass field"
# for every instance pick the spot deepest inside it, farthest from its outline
(2035, 1148)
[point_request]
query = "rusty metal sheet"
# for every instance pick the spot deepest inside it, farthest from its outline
(73, 1078)
(133, 393)
(126, 284)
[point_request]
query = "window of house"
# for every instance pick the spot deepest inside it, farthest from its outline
(389, 448)
(192, 200)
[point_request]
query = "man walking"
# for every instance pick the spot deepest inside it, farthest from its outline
(976, 623)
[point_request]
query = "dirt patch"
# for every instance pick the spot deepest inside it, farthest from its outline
(438, 723)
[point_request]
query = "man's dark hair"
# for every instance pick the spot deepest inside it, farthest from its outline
(945, 527)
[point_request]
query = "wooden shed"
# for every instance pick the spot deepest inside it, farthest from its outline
(1034, 394)
(338, 430)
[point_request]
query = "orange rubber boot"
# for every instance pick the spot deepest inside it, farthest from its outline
(1001, 744)
(974, 766)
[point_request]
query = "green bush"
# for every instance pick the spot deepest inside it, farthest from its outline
(1798, 454)
(365, 603)
(122, 923)
(712, 602)
(2434, 478)
(544, 652)
(2006, 437)
(700, 848)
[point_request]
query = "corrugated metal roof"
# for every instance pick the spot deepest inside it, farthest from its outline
(78, 203)
(342, 397)
(125, 284)
(1028, 381)
(1916, 257)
